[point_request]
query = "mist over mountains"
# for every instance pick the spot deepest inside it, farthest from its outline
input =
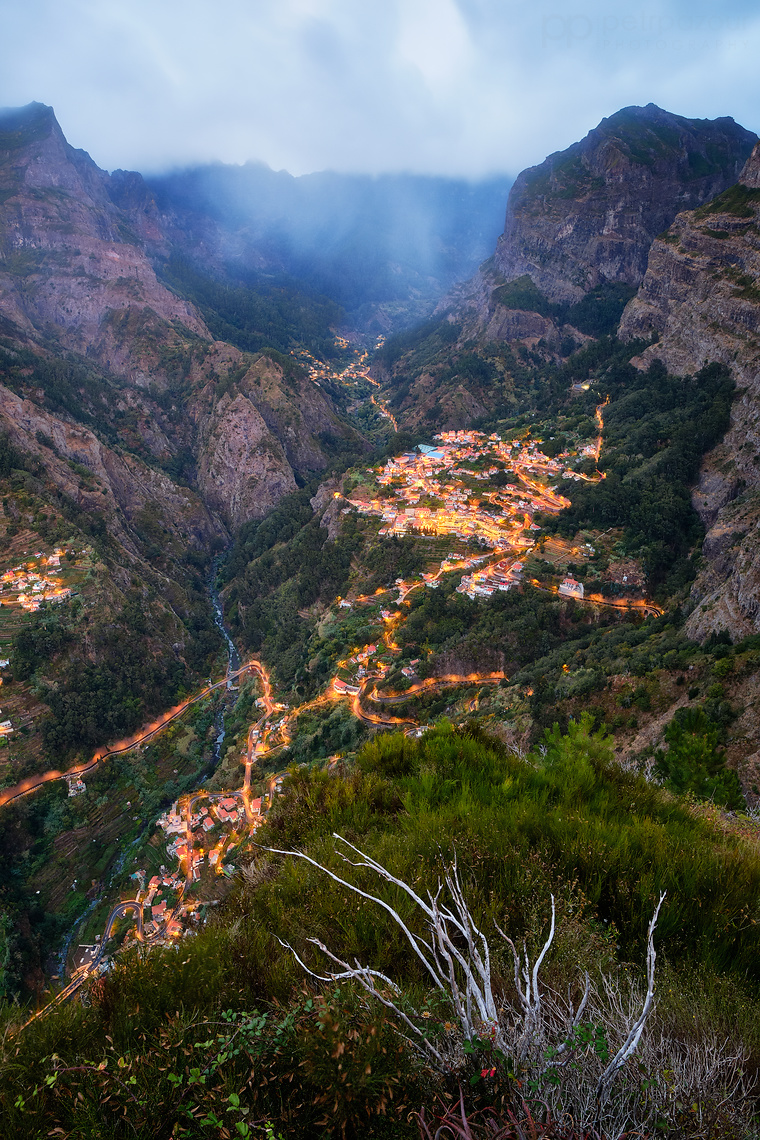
(384, 248)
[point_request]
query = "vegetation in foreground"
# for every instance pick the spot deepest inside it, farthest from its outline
(227, 1036)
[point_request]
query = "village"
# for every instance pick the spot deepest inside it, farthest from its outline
(200, 833)
(24, 587)
(34, 581)
(354, 373)
(433, 494)
(480, 489)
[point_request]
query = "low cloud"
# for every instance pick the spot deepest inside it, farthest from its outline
(458, 87)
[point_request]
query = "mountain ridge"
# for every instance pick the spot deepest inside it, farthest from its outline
(75, 277)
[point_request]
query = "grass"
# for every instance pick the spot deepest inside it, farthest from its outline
(566, 821)
(738, 200)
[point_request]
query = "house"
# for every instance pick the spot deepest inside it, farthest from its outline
(570, 588)
(343, 687)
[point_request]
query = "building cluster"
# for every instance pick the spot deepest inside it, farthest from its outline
(35, 581)
(500, 575)
(431, 494)
(156, 904)
(187, 833)
(318, 371)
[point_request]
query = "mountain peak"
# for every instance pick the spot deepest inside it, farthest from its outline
(20, 126)
(588, 215)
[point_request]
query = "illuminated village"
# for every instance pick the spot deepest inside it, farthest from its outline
(34, 581)
(433, 494)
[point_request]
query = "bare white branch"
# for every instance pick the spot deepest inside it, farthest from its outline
(456, 956)
(629, 1045)
(412, 939)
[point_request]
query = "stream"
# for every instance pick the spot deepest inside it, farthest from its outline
(233, 657)
(233, 662)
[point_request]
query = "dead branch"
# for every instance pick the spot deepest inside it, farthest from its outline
(629, 1045)
(455, 954)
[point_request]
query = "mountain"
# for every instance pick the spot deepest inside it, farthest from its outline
(700, 300)
(588, 215)
(130, 437)
(75, 277)
(148, 421)
(574, 250)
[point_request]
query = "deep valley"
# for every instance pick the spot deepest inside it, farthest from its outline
(457, 576)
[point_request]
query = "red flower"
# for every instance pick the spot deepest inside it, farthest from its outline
(488, 1072)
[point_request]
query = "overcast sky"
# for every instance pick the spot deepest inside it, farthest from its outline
(457, 87)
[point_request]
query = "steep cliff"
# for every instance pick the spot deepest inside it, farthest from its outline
(76, 277)
(68, 256)
(588, 214)
(701, 298)
(579, 226)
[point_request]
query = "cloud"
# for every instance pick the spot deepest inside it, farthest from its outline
(461, 87)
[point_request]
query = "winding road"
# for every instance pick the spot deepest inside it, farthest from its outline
(32, 783)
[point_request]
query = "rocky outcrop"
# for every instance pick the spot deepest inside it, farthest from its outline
(328, 504)
(123, 487)
(68, 258)
(701, 299)
(254, 440)
(589, 214)
(296, 411)
(586, 217)
(243, 470)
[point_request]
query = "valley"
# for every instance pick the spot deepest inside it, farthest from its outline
(284, 568)
(463, 479)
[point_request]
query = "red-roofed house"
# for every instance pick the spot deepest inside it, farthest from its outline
(570, 588)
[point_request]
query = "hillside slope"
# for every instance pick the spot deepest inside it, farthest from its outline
(75, 277)
(700, 297)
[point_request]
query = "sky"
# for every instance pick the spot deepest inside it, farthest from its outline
(462, 88)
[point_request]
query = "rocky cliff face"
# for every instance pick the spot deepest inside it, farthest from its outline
(589, 214)
(68, 254)
(701, 298)
(585, 218)
(76, 276)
